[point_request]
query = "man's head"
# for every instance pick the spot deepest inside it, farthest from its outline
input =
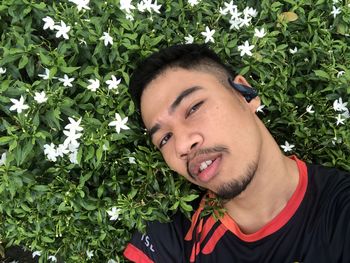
(190, 56)
(205, 130)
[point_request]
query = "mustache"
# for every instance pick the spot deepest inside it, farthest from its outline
(203, 151)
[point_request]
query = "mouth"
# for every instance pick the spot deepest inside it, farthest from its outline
(205, 168)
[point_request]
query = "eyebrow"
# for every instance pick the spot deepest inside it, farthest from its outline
(184, 94)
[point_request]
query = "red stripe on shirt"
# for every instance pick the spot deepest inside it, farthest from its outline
(194, 220)
(136, 255)
(207, 227)
(282, 218)
(214, 239)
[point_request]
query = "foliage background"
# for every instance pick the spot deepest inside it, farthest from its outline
(59, 208)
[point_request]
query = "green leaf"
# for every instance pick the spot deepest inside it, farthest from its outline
(41, 188)
(47, 239)
(189, 198)
(322, 74)
(68, 69)
(84, 178)
(5, 140)
(23, 62)
(185, 206)
(45, 59)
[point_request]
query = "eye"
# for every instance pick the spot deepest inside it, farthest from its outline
(194, 108)
(164, 140)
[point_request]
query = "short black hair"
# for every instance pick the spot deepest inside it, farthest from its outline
(186, 56)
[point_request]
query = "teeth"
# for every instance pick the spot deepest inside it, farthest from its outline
(205, 164)
(209, 162)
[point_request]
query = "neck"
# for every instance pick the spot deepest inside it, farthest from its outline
(275, 181)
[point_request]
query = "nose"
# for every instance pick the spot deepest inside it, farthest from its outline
(187, 141)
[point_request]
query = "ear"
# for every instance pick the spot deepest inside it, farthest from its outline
(241, 80)
(254, 103)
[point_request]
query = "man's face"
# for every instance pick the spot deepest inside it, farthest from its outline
(205, 131)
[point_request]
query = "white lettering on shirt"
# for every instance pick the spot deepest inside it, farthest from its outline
(147, 241)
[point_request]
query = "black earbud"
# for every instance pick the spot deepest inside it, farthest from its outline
(247, 92)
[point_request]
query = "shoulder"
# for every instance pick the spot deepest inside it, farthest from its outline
(328, 179)
(162, 242)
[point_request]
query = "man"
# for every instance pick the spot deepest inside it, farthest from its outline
(277, 209)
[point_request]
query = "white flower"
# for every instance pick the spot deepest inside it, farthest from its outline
(246, 48)
(126, 5)
(40, 97)
(89, 253)
(72, 137)
(72, 132)
(340, 120)
(61, 150)
(250, 12)
(49, 23)
(73, 146)
(336, 11)
(46, 75)
(260, 108)
(2, 70)
(111, 261)
(129, 17)
(52, 258)
(141, 7)
(94, 84)
(82, 41)
(189, 39)
(338, 105)
(309, 109)
(119, 123)
(232, 9)
(105, 147)
(132, 160)
(156, 7)
(73, 157)
(147, 5)
(293, 51)
(334, 140)
(113, 213)
(259, 33)
(74, 125)
(66, 81)
(235, 24)
(223, 11)
(3, 158)
(287, 147)
(340, 73)
(50, 151)
(18, 105)
(62, 30)
(36, 253)
(81, 4)
(107, 38)
(208, 34)
(346, 114)
(193, 2)
(113, 82)
(235, 15)
(245, 21)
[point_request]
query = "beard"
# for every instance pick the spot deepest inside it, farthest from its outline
(230, 190)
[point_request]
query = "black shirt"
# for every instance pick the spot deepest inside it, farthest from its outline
(314, 226)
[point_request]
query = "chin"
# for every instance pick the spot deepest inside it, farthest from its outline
(229, 190)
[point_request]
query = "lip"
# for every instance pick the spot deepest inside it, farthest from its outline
(210, 171)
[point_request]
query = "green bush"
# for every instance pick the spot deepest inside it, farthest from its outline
(66, 158)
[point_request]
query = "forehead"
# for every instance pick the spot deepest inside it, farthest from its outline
(163, 90)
